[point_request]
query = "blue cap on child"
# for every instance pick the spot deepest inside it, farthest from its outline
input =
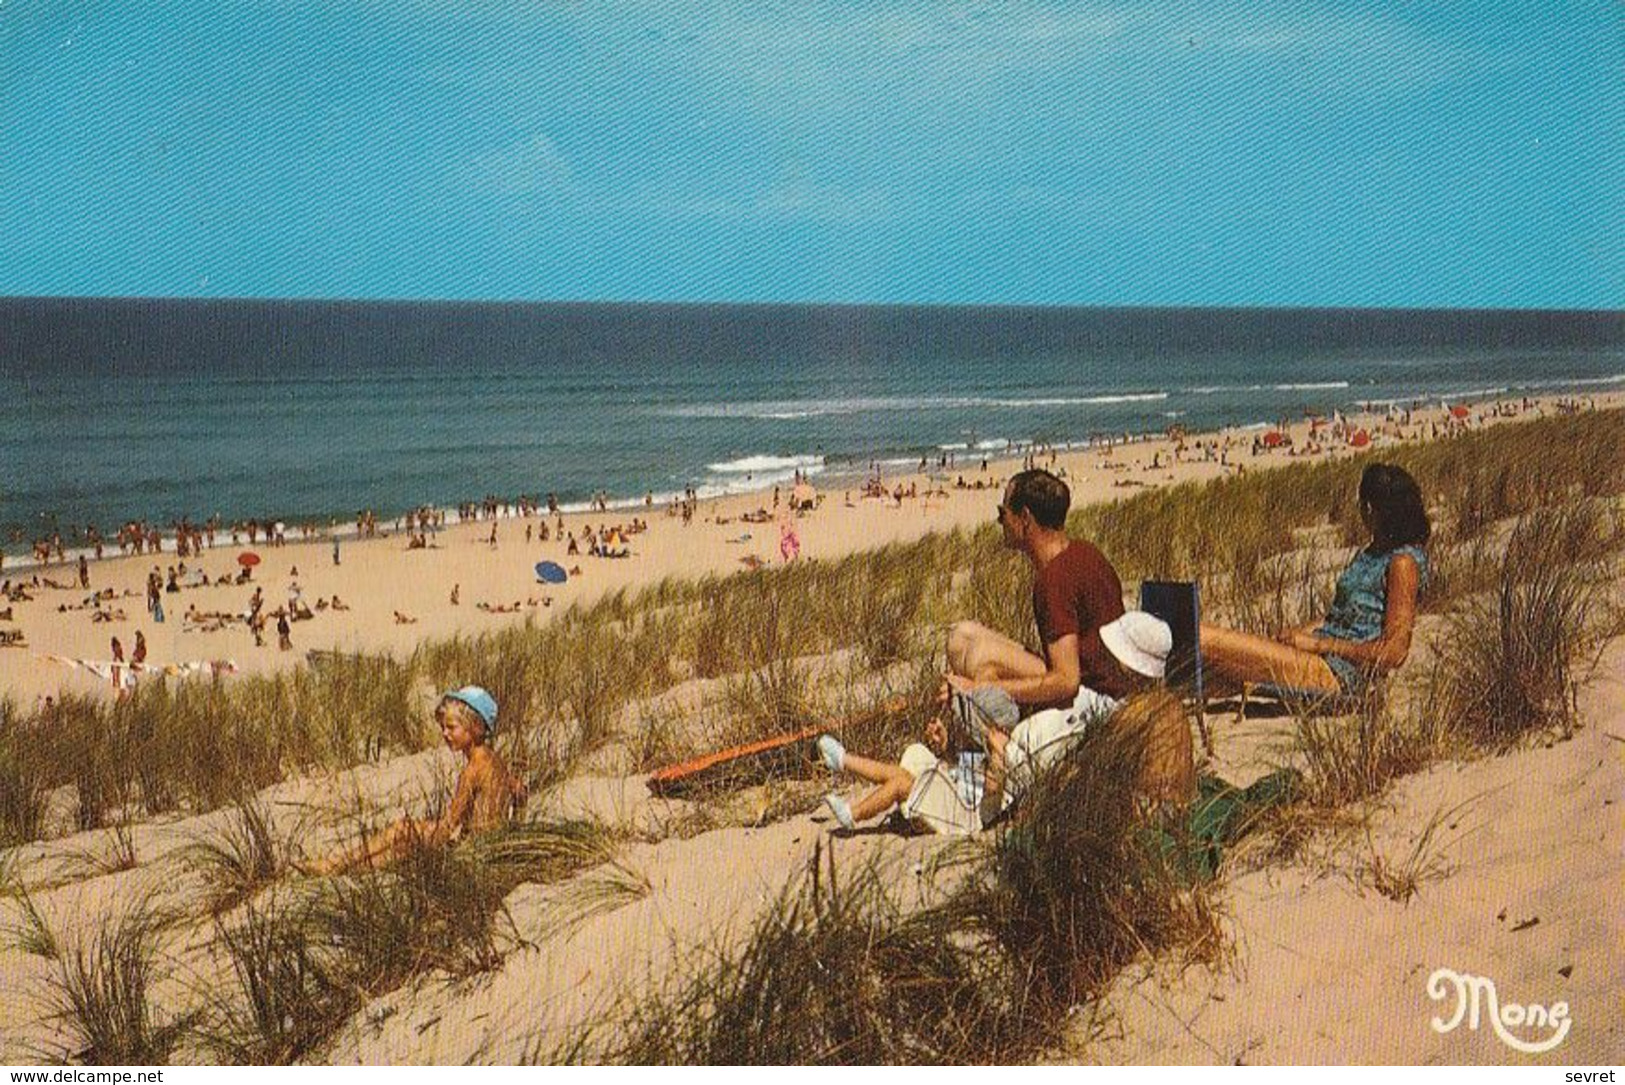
(480, 701)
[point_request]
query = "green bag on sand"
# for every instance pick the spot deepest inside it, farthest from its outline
(1220, 815)
(1191, 842)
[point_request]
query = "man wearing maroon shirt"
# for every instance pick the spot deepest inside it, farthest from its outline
(1075, 592)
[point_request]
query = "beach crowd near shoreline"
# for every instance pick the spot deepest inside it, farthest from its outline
(198, 605)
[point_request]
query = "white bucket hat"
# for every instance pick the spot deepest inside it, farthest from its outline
(1140, 642)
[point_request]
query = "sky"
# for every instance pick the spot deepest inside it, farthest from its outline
(1433, 153)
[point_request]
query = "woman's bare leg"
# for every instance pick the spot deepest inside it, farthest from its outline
(1243, 657)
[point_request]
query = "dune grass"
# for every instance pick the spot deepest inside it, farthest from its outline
(1085, 879)
(100, 988)
(1511, 661)
(292, 996)
(833, 972)
(244, 857)
(1354, 757)
(24, 778)
(1401, 879)
(30, 933)
(838, 969)
(307, 956)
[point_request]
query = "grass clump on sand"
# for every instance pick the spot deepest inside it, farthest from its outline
(430, 910)
(244, 857)
(1354, 757)
(1085, 879)
(832, 972)
(24, 778)
(304, 965)
(838, 970)
(100, 988)
(292, 995)
(1511, 661)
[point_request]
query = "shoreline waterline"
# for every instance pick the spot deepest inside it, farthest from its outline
(311, 413)
(780, 472)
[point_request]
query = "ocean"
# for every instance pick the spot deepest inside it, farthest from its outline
(119, 409)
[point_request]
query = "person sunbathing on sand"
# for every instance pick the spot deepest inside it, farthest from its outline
(486, 796)
(404, 619)
(1368, 630)
(339, 604)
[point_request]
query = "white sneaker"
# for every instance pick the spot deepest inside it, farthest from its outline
(832, 752)
(842, 812)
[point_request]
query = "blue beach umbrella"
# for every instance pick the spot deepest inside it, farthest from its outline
(551, 572)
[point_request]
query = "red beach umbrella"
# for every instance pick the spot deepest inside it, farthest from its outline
(1360, 439)
(248, 559)
(1459, 411)
(1273, 439)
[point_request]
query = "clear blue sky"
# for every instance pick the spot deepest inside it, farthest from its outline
(1436, 153)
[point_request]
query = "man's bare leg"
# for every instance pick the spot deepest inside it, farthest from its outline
(982, 654)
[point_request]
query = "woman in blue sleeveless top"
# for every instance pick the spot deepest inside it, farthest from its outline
(1368, 629)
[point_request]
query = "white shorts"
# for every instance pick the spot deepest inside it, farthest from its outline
(937, 801)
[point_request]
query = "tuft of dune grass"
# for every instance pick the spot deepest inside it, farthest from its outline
(833, 972)
(293, 996)
(837, 970)
(100, 990)
(242, 858)
(25, 777)
(1511, 662)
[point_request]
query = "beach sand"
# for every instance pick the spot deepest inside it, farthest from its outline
(380, 576)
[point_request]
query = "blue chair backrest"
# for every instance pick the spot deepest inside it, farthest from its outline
(1178, 602)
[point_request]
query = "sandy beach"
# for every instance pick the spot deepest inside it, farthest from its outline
(380, 577)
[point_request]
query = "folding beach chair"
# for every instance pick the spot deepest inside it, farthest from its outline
(1179, 603)
(1309, 702)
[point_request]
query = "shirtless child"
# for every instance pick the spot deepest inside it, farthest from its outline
(485, 797)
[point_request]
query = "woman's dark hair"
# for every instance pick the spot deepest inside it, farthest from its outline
(1398, 518)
